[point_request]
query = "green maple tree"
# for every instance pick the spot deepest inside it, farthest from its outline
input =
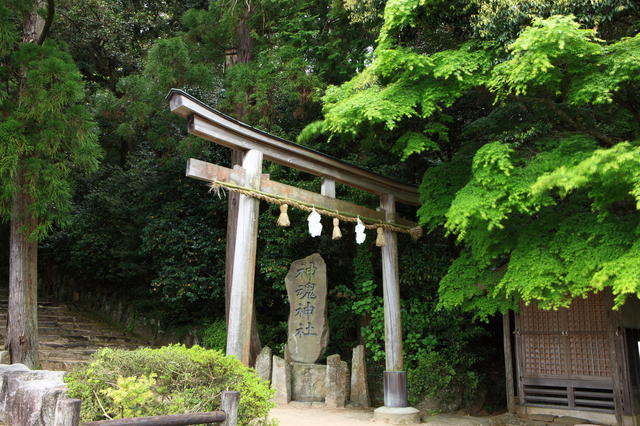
(529, 132)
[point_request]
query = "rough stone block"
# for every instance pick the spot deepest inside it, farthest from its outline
(569, 421)
(308, 382)
(28, 398)
(548, 418)
(359, 387)
(281, 380)
(263, 363)
(347, 380)
(335, 383)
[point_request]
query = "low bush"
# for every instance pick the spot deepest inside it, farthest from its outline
(169, 380)
(441, 379)
(214, 335)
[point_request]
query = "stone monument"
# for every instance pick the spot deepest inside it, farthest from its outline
(308, 326)
(298, 377)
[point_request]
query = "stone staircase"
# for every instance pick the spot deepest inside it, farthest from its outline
(69, 336)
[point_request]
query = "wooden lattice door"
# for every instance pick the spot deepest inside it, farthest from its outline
(564, 355)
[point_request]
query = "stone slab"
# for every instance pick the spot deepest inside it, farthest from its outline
(543, 417)
(347, 380)
(335, 382)
(263, 364)
(569, 421)
(308, 329)
(308, 382)
(397, 415)
(359, 387)
(281, 380)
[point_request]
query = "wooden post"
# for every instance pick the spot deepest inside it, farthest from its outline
(613, 335)
(328, 187)
(229, 405)
(508, 362)
(390, 279)
(232, 225)
(395, 378)
(244, 263)
(67, 412)
(519, 357)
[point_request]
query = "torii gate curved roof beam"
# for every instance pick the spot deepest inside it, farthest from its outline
(212, 125)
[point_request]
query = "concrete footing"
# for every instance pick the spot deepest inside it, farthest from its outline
(397, 415)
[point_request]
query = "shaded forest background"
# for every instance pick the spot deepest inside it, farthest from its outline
(433, 93)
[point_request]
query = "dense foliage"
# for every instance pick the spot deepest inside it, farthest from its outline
(169, 380)
(529, 120)
(46, 130)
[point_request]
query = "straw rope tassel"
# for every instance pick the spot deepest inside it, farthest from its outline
(415, 233)
(380, 241)
(337, 234)
(283, 220)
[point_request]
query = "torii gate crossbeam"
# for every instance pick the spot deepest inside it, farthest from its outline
(212, 125)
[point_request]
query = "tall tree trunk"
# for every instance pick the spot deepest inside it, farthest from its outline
(22, 315)
(245, 50)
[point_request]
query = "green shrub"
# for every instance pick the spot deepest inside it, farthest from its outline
(440, 379)
(169, 380)
(214, 336)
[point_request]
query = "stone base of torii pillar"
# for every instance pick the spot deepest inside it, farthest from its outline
(397, 415)
(396, 408)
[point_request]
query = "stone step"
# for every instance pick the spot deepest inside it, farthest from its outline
(67, 337)
(95, 335)
(61, 331)
(61, 365)
(88, 346)
(68, 355)
(63, 345)
(55, 334)
(55, 318)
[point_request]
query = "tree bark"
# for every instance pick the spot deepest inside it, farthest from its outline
(245, 51)
(22, 315)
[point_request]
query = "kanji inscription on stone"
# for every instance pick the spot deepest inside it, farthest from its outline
(307, 290)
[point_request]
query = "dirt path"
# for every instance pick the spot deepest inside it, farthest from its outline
(299, 415)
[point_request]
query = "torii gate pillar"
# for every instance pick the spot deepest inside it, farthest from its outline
(396, 408)
(395, 391)
(244, 262)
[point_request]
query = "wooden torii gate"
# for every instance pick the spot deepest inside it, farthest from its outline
(256, 145)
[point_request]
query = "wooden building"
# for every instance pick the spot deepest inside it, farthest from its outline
(582, 361)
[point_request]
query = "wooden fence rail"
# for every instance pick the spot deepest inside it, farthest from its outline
(68, 414)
